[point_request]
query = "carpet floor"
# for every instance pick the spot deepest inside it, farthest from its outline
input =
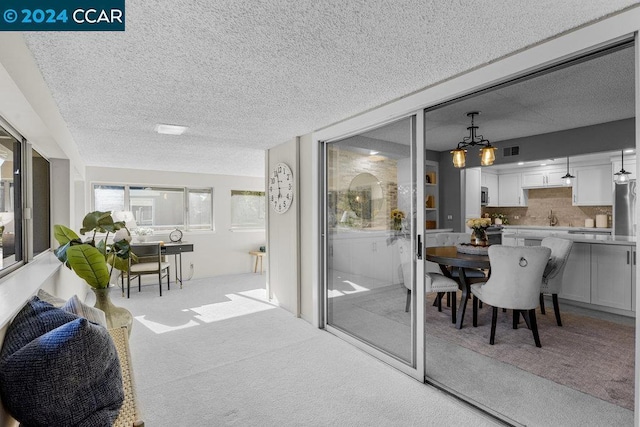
(217, 353)
(590, 355)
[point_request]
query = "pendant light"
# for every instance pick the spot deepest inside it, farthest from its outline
(567, 180)
(487, 152)
(621, 177)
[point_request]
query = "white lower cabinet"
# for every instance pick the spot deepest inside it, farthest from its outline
(576, 282)
(611, 268)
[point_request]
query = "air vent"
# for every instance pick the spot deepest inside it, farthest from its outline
(510, 151)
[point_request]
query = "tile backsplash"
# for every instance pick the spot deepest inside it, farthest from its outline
(558, 202)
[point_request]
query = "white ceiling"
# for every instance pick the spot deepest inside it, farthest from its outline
(246, 76)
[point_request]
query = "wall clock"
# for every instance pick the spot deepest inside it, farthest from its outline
(281, 188)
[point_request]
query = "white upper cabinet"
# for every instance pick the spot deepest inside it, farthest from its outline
(510, 190)
(490, 180)
(541, 179)
(593, 186)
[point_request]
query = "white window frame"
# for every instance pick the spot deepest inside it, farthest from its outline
(247, 227)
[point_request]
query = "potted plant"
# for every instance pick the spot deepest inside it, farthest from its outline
(94, 260)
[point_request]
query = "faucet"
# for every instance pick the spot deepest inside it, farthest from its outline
(553, 220)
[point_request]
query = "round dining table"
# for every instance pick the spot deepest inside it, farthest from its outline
(448, 256)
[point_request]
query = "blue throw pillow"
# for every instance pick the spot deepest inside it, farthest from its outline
(58, 369)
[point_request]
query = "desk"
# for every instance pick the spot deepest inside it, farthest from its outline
(449, 256)
(259, 255)
(176, 249)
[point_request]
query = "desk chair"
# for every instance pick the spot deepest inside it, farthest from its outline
(150, 261)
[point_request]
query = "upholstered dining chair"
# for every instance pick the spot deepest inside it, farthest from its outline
(434, 282)
(516, 277)
(150, 261)
(553, 273)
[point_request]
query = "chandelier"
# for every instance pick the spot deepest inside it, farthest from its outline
(487, 152)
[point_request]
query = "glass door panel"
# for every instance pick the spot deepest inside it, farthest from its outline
(370, 221)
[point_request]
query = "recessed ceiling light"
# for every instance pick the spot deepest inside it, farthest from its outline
(170, 129)
(520, 163)
(373, 153)
(543, 164)
(629, 150)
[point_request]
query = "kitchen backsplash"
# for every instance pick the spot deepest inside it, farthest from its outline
(557, 201)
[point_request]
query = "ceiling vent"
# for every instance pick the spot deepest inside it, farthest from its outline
(510, 151)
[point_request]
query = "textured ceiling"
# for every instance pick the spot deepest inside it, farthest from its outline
(246, 76)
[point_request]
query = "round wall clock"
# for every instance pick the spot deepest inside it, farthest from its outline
(281, 188)
(175, 235)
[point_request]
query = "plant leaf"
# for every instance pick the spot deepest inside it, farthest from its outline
(89, 264)
(63, 234)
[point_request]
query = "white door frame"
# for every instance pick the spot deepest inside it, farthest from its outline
(569, 45)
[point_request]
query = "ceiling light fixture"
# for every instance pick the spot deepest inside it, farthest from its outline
(621, 177)
(568, 178)
(487, 152)
(170, 129)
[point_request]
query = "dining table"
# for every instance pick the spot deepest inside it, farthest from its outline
(448, 256)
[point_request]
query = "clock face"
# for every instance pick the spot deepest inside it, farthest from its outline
(175, 235)
(281, 188)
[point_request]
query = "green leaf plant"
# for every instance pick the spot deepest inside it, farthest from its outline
(89, 259)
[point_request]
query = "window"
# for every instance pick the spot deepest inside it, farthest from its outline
(160, 208)
(247, 209)
(10, 199)
(41, 203)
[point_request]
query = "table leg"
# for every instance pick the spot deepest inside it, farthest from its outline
(261, 265)
(180, 256)
(255, 267)
(464, 286)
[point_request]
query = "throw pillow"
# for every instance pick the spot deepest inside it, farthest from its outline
(92, 314)
(51, 299)
(59, 369)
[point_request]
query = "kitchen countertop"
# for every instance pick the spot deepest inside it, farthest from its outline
(556, 228)
(580, 238)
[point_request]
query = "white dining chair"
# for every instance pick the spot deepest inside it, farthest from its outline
(516, 278)
(554, 272)
(434, 282)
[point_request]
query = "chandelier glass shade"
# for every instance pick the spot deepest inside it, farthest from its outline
(487, 151)
(567, 180)
(622, 176)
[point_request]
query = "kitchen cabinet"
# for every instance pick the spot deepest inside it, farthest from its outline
(611, 267)
(576, 282)
(543, 179)
(472, 193)
(510, 190)
(490, 180)
(593, 186)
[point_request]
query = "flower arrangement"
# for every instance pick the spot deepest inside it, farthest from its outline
(90, 259)
(479, 225)
(500, 219)
(143, 231)
(397, 216)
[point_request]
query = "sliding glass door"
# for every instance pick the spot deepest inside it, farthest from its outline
(370, 215)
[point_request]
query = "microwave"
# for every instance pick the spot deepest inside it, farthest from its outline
(484, 196)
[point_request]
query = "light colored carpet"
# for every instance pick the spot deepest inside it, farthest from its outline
(216, 353)
(585, 372)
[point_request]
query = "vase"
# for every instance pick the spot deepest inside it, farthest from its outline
(397, 224)
(116, 316)
(479, 237)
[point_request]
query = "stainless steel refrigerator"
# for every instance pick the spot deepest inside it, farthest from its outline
(624, 209)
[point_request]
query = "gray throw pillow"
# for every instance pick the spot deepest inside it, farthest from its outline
(51, 299)
(59, 369)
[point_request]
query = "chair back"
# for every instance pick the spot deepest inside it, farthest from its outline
(451, 239)
(560, 250)
(148, 252)
(516, 276)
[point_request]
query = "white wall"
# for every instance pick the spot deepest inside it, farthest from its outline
(215, 253)
(282, 247)
(307, 205)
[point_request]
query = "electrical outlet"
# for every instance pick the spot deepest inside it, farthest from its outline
(516, 217)
(449, 217)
